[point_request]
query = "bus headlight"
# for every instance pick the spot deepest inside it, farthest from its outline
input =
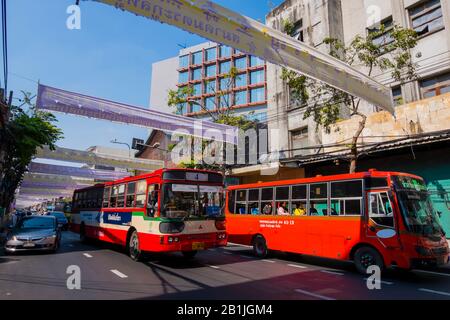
(171, 227)
(221, 236)
(423, 251)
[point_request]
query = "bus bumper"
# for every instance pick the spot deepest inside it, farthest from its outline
(174, 243)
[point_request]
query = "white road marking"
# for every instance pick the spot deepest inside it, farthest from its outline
(8, 293)
(119, 274)
(270, 261)
(211, 266)
(380, 281)
(297, 266)
(435, 273)
(87, 255)
(332, 272)
(435, 292)
(315, 295)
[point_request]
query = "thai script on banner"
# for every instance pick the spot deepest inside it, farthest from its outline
(216, 23)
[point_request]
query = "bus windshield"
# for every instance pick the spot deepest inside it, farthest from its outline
(418, 212)
(189, 201)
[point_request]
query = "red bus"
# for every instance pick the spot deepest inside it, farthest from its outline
(164, 211)
(372, 218)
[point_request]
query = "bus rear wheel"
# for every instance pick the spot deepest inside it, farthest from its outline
(134, 250)
(189, 254)
(366, 257)
(260, 247)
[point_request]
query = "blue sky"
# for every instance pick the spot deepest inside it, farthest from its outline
(110, 57)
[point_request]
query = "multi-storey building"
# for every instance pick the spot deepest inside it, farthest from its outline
(204, 67)
(316, 19)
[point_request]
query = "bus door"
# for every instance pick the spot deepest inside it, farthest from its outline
(152, 200)
(381, 223)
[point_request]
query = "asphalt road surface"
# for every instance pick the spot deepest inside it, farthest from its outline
(223, 273)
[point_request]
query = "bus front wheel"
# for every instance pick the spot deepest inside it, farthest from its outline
(134, 250)
(366, 257)
(260, 247)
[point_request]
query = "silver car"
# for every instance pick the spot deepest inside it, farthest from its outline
(34, 233)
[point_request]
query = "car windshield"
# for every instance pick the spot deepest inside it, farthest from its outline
(188, 200)
(36, 223)
(418, 212)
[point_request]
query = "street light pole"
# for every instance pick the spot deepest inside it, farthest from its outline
(123, 143)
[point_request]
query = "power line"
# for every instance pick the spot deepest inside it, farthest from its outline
(5, 45)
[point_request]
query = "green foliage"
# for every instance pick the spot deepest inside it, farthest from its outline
(288, 27)
(20, 139)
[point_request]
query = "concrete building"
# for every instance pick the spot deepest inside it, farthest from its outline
(316, 19)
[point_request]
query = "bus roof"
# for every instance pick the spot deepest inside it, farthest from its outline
(347, 176)
(155, 173)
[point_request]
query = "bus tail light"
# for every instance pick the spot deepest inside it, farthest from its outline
(220, 224)
(171, 227)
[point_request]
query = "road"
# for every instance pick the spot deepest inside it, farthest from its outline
(223, 273)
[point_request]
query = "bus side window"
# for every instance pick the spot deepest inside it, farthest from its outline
(152, 200)
(380, 209)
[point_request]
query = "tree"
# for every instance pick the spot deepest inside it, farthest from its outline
(22, 135)
(221, 112)
(384, 50)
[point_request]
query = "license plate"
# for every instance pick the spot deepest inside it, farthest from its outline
(29, 245)
(198, 246)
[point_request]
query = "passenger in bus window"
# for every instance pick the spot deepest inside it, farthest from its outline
(267, 210)
(282, 209)
(299, 210)
(313, 211)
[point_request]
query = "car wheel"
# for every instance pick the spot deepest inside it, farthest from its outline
(134, 250)
(366, 257)
(189, 254)
(260, 247)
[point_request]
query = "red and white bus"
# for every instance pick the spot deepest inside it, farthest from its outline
(372, 218)
(164, 211)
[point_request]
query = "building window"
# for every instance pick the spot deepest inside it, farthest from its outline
(427, 17)
(210, 86)
(257, 77)
(225, 101)
(197, 57)
(435, 86)
(298, 32)
(211, 70)
(225, 51)
(299, 140)
(398, 97)
(255, 61)
(257, 95)
(184, 61)
(197, 89)
(225, 84)
(384, 38)
(240, 97)
(241, 80)
(210, 103)
(183, 77)
(211, 54)
(182, 108)
(197, 74)
(195, 107)
(241, 63)
(225, 67)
